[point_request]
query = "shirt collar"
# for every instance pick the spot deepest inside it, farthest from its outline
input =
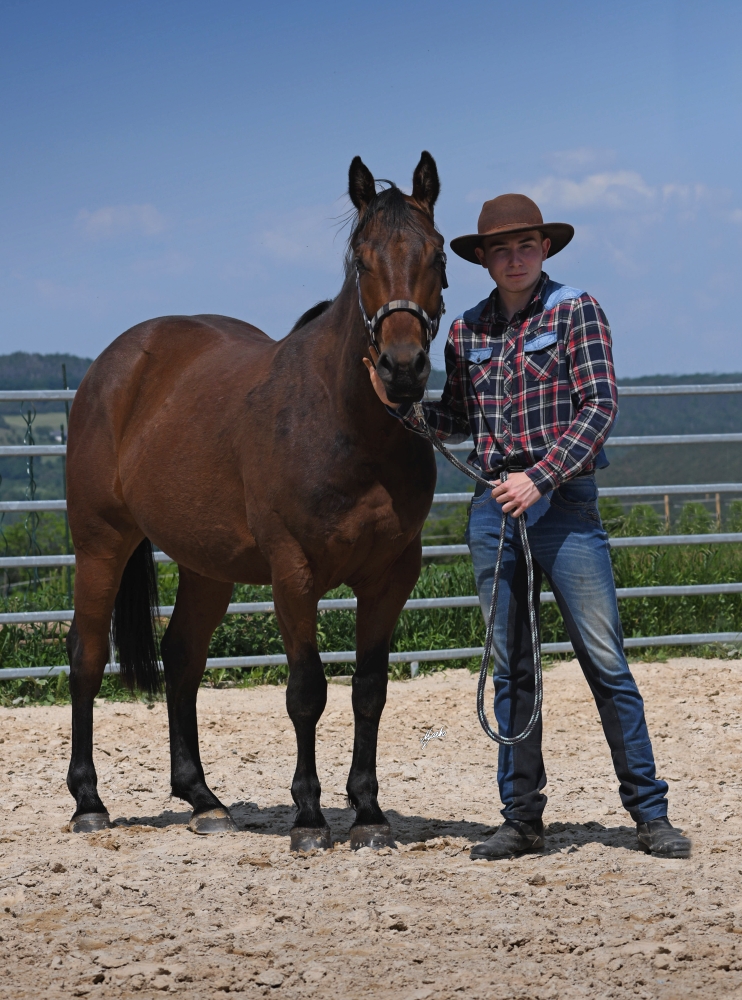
(491, 312)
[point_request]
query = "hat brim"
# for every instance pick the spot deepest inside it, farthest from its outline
(560, 233)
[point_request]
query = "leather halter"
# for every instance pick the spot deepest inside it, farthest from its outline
(373, 323)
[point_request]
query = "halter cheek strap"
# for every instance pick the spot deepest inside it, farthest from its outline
(373, 323)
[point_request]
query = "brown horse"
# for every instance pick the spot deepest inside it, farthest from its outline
(267, 462)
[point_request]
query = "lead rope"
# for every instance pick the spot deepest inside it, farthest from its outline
(507, 741)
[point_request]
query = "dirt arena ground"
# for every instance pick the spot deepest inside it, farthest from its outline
(149, 907)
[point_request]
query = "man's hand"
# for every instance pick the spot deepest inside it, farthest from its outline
(379, 385)
(516, 494)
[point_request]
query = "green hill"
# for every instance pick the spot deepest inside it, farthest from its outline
(21, 370)
(629, 466)
(649, 465)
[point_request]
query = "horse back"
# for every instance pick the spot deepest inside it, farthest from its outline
(156, 402)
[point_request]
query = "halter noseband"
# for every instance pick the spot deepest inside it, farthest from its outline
(400, 305)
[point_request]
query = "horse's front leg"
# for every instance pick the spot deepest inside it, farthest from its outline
(306, 697)
(378, 610)
(200, 605)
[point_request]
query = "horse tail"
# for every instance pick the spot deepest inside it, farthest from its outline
(133, 622)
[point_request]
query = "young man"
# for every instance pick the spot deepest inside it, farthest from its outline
(530, 377)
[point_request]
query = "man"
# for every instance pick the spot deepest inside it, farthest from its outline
(530, 377)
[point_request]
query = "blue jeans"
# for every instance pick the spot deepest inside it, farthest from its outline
(570, 548)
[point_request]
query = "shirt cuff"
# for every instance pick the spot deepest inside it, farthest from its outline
(543, 478)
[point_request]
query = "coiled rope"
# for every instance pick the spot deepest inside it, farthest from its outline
(507, 741)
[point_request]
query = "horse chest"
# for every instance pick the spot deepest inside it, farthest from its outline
(377, 517)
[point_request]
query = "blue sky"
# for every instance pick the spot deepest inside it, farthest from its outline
(184, 157)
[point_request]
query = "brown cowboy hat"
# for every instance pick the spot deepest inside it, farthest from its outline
(511, 213)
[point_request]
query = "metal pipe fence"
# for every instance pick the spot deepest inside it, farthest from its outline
(414, 604)
(435, 655)
(430, 551)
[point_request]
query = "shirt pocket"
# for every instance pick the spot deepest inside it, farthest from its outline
(541, 356)
(478, 359)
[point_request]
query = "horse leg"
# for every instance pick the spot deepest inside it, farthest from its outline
(96, 584)
(199, 607)
(378, 610)
(306, 697)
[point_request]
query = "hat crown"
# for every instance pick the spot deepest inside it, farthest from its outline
(506, 211)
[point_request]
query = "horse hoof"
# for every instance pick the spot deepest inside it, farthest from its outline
(373, 835)
(90, 822)
(311, 838)
(212, 821)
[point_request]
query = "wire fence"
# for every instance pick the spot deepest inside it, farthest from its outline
(35, 560)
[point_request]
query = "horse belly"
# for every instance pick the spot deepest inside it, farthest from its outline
(191, 504)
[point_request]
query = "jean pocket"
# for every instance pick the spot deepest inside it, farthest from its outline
(578, 496)
(482, 499)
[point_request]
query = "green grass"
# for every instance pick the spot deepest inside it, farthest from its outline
(258, 634)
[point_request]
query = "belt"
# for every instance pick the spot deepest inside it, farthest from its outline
(479, 489)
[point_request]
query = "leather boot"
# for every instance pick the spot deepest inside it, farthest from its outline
(515, 836)
(660, 838)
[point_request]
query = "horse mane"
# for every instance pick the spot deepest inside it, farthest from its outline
(311, 314)
(396, 212)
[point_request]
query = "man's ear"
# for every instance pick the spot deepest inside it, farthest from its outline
(545, 247)
(479, 252)
(425, 183)
(361, 184)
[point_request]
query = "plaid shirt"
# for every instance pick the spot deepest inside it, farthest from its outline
(538, 391)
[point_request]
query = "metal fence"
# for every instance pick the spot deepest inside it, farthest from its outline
(30, 451)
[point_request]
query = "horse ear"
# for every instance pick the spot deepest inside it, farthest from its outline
(361, 184)
(425, 184)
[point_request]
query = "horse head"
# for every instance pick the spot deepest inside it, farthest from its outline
(397, 256)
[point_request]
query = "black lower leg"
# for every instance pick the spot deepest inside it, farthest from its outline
(187, 779)
(306, 697)
(369, 698)
(82, 780)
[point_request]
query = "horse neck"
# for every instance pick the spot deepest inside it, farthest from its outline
(347, 379)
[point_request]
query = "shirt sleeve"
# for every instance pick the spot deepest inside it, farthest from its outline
(447, 418)
(592, 380)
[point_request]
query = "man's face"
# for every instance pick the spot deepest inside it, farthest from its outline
(514, 261)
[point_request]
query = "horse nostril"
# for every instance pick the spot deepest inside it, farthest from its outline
(419, 363)
(385, 362)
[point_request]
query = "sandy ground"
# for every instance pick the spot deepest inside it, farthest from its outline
(149, 907)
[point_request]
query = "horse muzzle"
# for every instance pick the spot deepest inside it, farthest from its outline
(404, 375)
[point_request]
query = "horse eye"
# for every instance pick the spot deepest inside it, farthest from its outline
(442, 261)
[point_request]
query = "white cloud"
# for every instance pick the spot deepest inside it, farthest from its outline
(615, 190)
(305, 236)
(736, 215)
(570, 161)
(121, 220)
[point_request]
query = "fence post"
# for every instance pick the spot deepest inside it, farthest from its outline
(68, 569)
(5, 589)
(32, 521)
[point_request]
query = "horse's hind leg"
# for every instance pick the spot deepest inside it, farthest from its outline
(306, 697)
(378, 610)
(199, 607)
(96, 584)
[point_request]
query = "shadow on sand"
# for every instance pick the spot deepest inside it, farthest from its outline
(277, 820)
